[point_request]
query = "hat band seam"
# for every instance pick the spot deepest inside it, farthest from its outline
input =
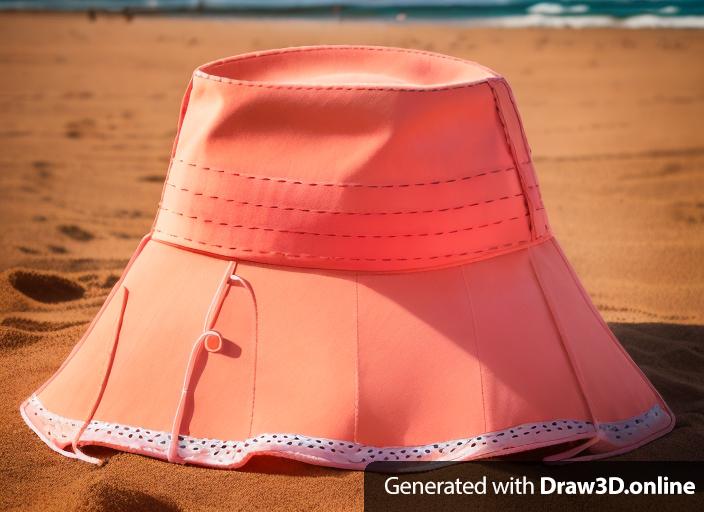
(499, 247)
(346, 185)
(341, 235)
(343, 212)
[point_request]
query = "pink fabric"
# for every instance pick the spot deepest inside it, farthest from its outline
(349, 177)
(400, 285)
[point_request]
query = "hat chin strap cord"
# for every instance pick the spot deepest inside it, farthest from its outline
(77, 453)
(75, 443)
(209, 340)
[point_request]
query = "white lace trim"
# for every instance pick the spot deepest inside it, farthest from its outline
(332, 452)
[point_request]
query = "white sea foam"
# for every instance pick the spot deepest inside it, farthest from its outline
(651, 21)
(553, 21)
(669, 9)
(550, 8)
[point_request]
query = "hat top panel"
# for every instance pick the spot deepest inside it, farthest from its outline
(354, 67)
(351, 158)
(346, 136)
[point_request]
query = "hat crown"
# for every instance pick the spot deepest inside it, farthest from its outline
(356, 158)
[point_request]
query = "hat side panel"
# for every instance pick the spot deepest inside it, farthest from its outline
(419, 369)
(306, 369)
(342, 136)
(345, 179)
(613, 384)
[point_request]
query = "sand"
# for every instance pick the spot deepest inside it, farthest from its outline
(88, 116)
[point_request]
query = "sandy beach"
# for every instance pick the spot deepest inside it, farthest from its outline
(89, 111)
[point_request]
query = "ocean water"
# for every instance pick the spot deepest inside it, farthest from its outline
(509, 13)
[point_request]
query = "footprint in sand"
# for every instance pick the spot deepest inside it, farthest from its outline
(670, 168)
(107, 497)
(79, 129)
(689, 212)
(27, 324)
(42, 168)
(13, 338)
(48, 288)
(110, 281)
(87, 277)
(152, 178)
(129, 214)
(77, 233)
(124, 236)
(57, 249)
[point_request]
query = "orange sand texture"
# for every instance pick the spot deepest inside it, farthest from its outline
(88, 109)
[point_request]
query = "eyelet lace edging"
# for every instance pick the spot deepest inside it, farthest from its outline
(58, 431)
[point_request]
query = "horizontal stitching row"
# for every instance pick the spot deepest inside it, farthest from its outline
(285, 51)
(229, 81)
(342, 258)
(341, 185)
(341, 212)
(340, 235)
(218, 64)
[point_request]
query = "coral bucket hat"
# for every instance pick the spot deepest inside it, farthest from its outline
(351, 262)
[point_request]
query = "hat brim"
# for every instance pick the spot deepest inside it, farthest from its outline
(344, 368)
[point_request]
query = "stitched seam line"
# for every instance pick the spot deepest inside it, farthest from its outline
(260, 84)
(342, 235)
(342, 212)
(518, 118)
(285, 51)
(528, 151)
(341, 185)
(254, 366)
(590, 306)
(356, 375)
(563, 340)
(229, 81)
(514, 156)
(476, 341)
(343, 258)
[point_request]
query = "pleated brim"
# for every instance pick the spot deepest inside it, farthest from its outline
(344, 368)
